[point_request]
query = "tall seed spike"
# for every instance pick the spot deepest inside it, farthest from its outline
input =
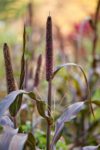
(37, 73)
(11, 85)
(49, 49)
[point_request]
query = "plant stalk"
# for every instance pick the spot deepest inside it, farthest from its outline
(95, 34)
(49, 114)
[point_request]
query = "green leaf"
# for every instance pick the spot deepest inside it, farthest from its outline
(96, 102)
(92, 127)
(30, 141)
(22, 74)
(15, 106)
(1, 129)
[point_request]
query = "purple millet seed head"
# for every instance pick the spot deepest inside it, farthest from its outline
(11, 85)
(49, 49)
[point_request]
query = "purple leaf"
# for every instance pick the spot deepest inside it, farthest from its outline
(10, 98)
(6, 136)
(67, 115)
(19, 140)
(10, 139)
(5, 120)
(91, 147)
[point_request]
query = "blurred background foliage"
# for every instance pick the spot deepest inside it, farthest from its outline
(65, 14)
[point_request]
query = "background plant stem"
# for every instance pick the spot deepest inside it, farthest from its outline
(95, 34)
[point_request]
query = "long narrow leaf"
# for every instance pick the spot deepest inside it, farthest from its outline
(6, 136)
(22, 74)
(82, 70)
(91, 147)
(17, 103)
(20, 140)
(10, 139)
(67, 115)
(5, 120)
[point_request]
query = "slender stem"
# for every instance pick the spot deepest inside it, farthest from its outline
(95, 34)
(49, 114)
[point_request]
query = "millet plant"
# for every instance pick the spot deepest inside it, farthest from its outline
(11, 135)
